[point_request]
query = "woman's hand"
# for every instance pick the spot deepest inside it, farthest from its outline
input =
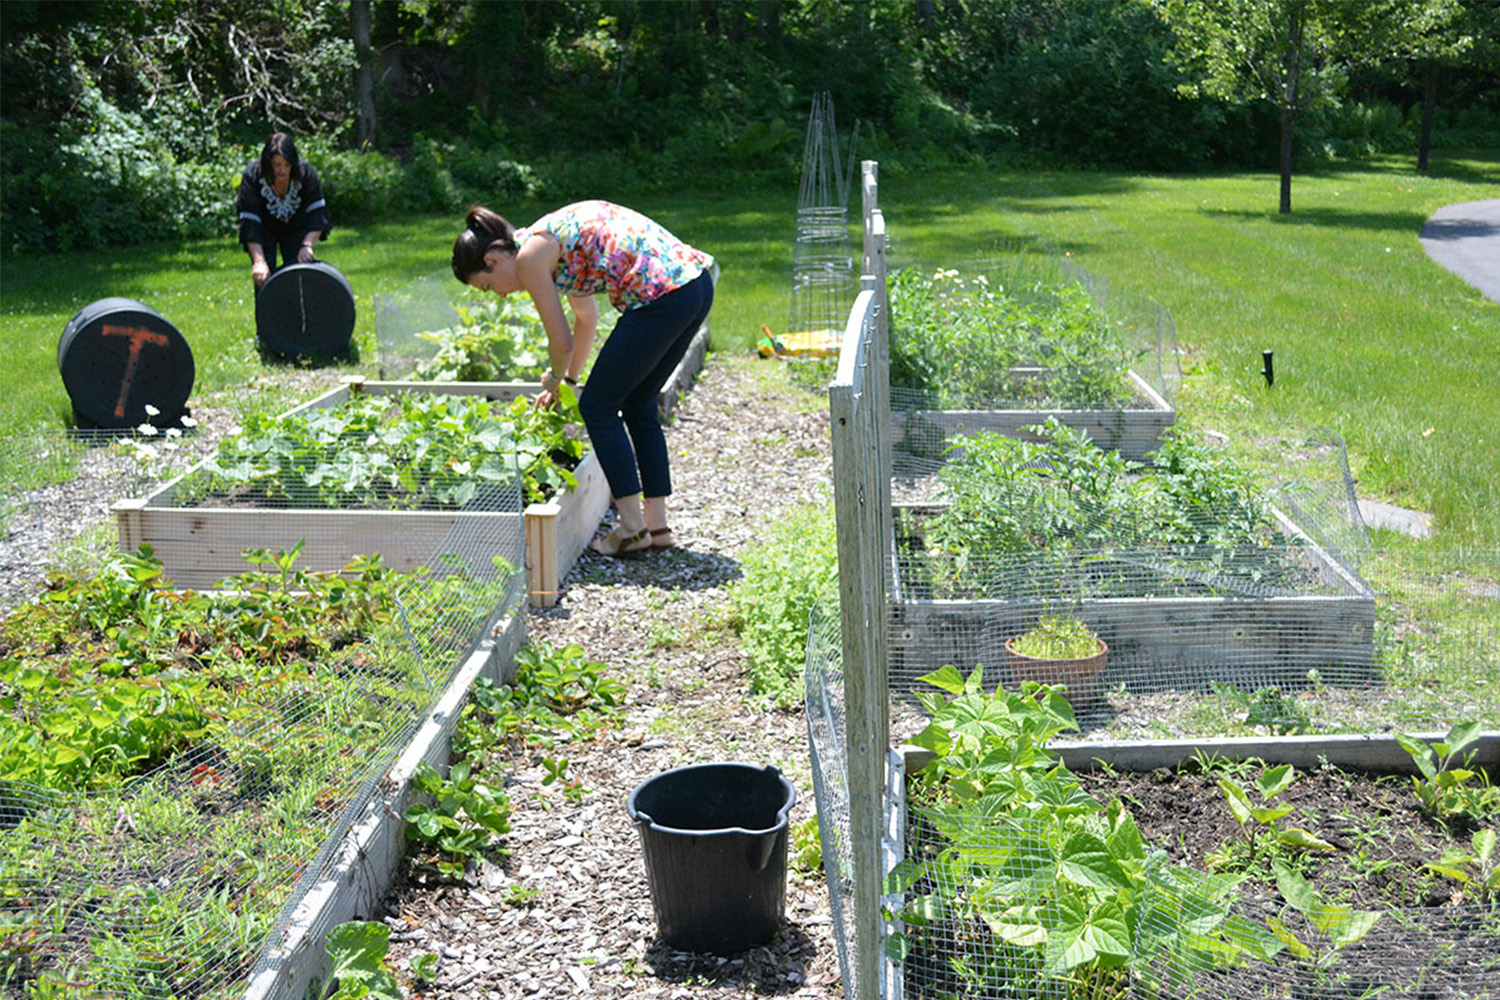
(305, 255)
(546, 401)
(259, 272)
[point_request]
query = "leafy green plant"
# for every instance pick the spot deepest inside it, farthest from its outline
(357, 951)
(1474, 868)
(969, 341)
(1056, 637)
(463, 819)
(1267, 707)
(806, 846)
(1064, 505)
(555, 772)
(1337, 925)
(1045, 880)
(494, 340)
(558, 695)
(424, 967)
(1260, 821)
(794, 563)
(406, 451)
(1446, 787)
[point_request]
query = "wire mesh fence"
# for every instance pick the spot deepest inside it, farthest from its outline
(1037, 590)
(1005, 342)
(437, 330)
(179, 765)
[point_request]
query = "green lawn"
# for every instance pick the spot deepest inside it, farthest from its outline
(1371, 337)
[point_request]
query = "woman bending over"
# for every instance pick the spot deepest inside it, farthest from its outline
(663, 290)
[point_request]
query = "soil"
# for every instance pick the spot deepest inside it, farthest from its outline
(1432, 942)
(566, 911)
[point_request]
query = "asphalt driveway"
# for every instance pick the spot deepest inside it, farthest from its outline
(1465, 238)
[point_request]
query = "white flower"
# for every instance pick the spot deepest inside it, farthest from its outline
(146, 429)
(189, 422)
(152, 411)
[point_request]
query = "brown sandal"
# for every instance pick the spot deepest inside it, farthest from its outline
(617, 545)
(662, 533)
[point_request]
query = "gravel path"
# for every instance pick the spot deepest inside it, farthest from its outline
(745, 445)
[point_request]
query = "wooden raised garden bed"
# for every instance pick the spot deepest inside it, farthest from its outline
(196, 544)
(1182, 640)
(1397, 928)
(1133, 432)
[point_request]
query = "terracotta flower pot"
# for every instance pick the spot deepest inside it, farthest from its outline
(1081, 675)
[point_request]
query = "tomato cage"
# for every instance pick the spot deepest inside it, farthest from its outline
(983, 686)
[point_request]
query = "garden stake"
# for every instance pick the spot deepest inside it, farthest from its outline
(1268, 371)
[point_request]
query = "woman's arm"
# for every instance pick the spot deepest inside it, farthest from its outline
(535, 261)
(585, 327)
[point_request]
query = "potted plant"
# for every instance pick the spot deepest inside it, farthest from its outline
(1059, 649)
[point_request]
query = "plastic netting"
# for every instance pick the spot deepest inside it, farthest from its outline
(159, 829)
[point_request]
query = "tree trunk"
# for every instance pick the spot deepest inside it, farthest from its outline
(364, 76)
(1287, 117)
(1429, 109)
(768, 21)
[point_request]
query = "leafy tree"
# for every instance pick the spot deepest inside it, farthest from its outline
(1440, 38)
(1290, 53)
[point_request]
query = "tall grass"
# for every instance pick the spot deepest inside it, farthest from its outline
(1370, 336)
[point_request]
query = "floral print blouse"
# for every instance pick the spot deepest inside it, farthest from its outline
(609, 248)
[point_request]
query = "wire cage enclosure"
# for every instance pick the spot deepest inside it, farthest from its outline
(237, 736)
(973, 864)
(1004, 343)
(435, 329)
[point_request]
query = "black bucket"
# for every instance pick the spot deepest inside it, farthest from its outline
(116, 357)
(305, 310)
(714, 837)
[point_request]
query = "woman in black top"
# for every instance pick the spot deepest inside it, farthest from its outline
(281, 207)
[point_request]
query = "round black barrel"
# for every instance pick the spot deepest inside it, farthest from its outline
(714, 837)
(305, 310)
(116, 357)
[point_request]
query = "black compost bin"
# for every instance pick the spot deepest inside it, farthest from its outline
(305, 310)
(116, 357)
(714, 837)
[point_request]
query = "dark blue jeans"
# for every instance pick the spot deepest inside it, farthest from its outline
(618, 402)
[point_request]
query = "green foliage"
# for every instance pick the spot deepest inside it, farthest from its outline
(559, 695)
(1267, 707)
(787, 570)
(357, 951)
(1048, 883)
(1446, 787)
(462, 821)
(1475, 868)
(1260, 821)
(1057, 638)
(1064, 499)
(962, 339)
(807, 847)
(1340, 926)
(405, 452)
(497, 340)
(105, 678)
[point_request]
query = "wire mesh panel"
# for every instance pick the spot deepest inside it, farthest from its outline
(438, 330)
(177, 786)
(1043, 587)
(1005, 343)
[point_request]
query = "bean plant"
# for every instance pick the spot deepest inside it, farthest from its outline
(1023, 877)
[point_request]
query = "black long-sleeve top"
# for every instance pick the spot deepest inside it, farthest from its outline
(266, 218)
